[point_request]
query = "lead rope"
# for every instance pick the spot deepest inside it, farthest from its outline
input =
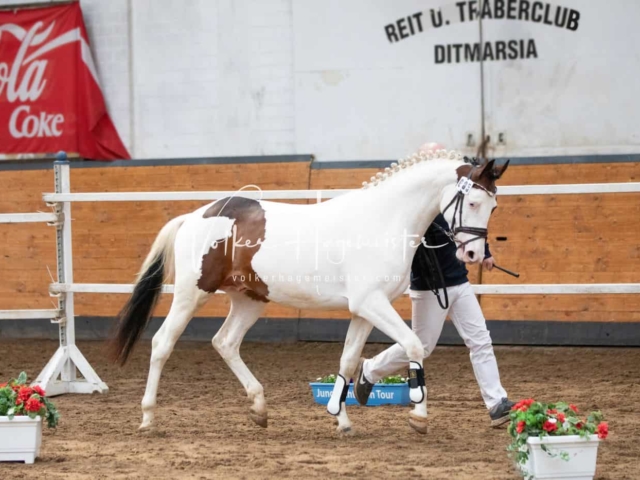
(432, 273)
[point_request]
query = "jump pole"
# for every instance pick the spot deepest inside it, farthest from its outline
(60, 375)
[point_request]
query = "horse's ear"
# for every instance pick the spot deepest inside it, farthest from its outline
(486, 169)
(500, 170)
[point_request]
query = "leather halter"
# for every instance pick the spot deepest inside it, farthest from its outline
(464, 186)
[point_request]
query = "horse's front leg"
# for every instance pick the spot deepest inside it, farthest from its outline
(377, 309)
(357, 335)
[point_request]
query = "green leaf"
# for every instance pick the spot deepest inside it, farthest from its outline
(393, 380)
(11, 412)
(22, 378)
(595, 417)
(52, 416)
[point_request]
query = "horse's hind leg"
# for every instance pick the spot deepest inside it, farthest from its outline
(184, 305)
(357, 335)
(243, 315)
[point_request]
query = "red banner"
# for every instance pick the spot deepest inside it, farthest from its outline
(50, 96)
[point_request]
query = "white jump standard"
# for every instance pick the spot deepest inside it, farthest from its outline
(59, 375)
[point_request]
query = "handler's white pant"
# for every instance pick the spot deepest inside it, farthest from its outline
(427, 321)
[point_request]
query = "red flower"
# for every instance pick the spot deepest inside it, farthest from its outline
(33, 405)
(520, 426)
(2, 385)
(24, 393)
(579, 425)
(573, 407)
(552, 412)
(38, 390)
(603, 430)
(549, 426)
(523, 405)
(561, 417)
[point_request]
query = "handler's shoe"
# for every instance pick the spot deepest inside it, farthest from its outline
(500, 413)
(362, 387)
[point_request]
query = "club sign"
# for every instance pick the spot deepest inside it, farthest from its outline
(471, 11)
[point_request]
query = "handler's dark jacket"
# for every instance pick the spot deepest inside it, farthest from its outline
(453, 270)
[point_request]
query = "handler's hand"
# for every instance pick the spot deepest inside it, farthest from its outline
(487, 263)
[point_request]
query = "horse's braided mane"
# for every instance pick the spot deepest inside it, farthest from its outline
(409, 161)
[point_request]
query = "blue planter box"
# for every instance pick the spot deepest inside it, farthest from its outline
(382, 394)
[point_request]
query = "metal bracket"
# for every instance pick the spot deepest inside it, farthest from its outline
(471, 142)
(59, 213)
(52, 293)
(61, 320)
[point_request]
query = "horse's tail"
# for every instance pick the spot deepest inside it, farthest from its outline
(135, 315)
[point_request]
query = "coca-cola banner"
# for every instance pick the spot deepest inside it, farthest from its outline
(50, 96)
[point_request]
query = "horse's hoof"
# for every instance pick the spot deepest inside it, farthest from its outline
(259, 419)
(152, 432)
(419, 424)
(145, 427)
(344, 431)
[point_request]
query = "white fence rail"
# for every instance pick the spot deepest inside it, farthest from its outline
(571, 189)
(59, 375)
(495, 289)
(33, 314)
(27, 217)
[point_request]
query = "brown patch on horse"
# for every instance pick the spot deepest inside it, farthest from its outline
(228, 265)
(485, 175)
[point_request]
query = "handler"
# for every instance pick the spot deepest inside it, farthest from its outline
(427, 320)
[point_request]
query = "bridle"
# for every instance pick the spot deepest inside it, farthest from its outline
(464, 186)
(430, 266)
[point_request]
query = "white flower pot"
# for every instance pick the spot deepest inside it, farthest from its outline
(581, 465)
(20, 439)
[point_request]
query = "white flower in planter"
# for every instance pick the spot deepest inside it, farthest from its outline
(23, 409)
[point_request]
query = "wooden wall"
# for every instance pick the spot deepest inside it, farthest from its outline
(26, 250)
(550, 239)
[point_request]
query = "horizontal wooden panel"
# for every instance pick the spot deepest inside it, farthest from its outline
(22, 190)
(592, 308)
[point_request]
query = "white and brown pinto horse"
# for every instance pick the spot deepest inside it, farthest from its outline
(353, 251)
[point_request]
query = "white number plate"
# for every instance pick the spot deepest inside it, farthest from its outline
(464, 185)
